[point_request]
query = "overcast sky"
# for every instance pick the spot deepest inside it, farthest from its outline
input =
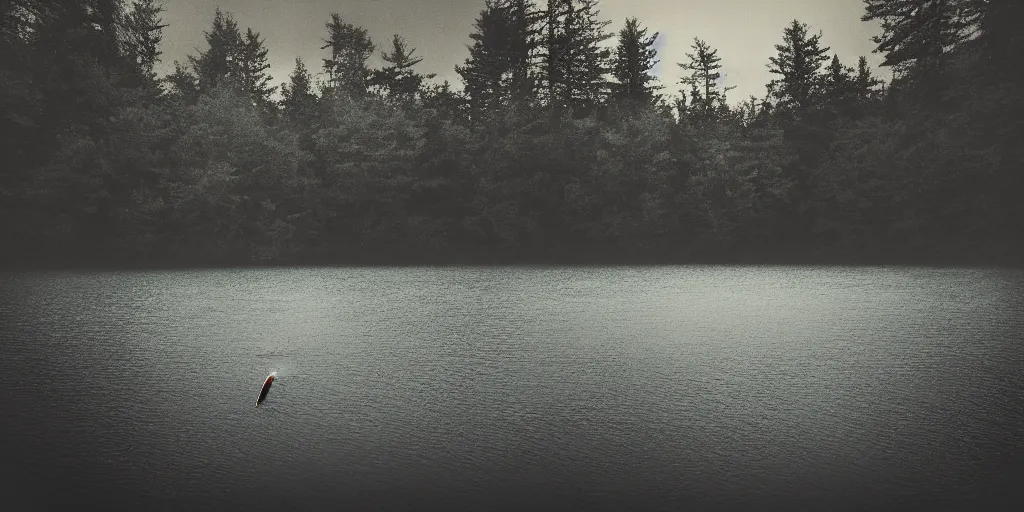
(743, 31)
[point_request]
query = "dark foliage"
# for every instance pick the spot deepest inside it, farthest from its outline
(557, 148)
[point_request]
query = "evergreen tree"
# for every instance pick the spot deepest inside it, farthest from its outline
(798, 65)
(219, 63)
(96, 163)
(183, 83)
(553, 51)
(748, 111)
(397, 79)
(522, 43)
(497, 71)
(448, 103)
(21, 102)
(79, 85)
(142, 36)
(864, 82)
(706, 99)
(922, 31)
(484, 68)
(680, 108)
(252, 68)
(350, 47)
(590, 61)
(104, 14)
(298, 101)
(837, 82)
(845, 90)
(632, 63)
(73, 61)
(575, 63)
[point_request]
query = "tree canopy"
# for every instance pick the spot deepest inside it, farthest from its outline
(556, 146)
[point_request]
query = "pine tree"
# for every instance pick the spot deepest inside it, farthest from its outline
(634, 58)
(837, 82)
(252, 68)
(798, 64)
(104, 14)
(705, 72)
(483, 70)
(748, 111)
(865, 83)
(845, 90)
(142, 36)
(554, 50)
(298, 100)
(218, 63)
(397, 79)
(88, 85)
(498, 70)
(680, 108)
(587, 69)
(350, 47)
(522, 43)
(76, 60)
(183, 83)
(575, 63)
(922, 32)
(448, 103)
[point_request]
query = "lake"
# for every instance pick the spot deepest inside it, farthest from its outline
(485, 388)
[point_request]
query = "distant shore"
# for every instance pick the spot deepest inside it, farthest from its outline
(478, 258)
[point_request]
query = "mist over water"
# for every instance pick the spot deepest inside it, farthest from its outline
(509, 387)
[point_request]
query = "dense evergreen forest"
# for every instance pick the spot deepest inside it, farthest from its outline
(558, 146)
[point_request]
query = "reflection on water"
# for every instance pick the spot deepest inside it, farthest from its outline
(658, 387)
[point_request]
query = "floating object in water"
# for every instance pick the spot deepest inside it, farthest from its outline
(266, 388)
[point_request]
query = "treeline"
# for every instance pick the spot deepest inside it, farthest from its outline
(559, 146)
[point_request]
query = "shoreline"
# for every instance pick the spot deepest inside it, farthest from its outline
(478, 259)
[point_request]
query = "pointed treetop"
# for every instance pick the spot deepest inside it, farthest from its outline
(704, 67)
(798, 64)
(632, 62)
(350, 48)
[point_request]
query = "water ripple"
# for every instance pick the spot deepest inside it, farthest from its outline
(515, 387)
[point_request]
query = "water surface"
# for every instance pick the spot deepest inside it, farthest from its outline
(513, 387)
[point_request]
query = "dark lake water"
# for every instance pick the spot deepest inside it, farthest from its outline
(662, 388)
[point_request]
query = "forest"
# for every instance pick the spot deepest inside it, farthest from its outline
(558, 146)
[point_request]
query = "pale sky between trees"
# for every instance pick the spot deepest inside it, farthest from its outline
(745, 32)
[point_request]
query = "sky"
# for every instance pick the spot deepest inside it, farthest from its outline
(745, 32)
